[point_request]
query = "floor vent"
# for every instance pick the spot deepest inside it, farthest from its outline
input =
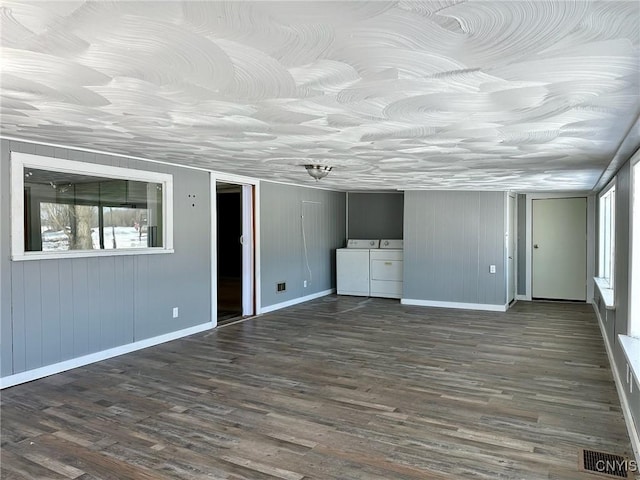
(604, 464)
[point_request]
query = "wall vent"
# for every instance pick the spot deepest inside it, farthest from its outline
(604, 464)
(281, 287)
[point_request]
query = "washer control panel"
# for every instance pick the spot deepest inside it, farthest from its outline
(360, 243)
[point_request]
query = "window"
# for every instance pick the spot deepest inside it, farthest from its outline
(67, 208)
(634, 287)
(607, 226)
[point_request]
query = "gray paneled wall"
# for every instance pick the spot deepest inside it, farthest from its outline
(522, 245)
(67, 308)
(375, 215)
(617, 321)
(450, 240)
(282, 250)
(6, 331)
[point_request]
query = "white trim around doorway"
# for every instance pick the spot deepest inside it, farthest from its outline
(253, 273)
(590, 238)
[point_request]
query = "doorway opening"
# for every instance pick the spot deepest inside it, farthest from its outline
(234, 252)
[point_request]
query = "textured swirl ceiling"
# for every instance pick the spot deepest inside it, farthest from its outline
(522, 95)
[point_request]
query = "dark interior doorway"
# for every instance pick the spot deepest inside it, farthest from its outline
(229, 233)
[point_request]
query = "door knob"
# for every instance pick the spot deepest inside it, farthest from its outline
(535, 245)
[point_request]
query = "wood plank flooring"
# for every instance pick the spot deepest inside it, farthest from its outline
(337, 388)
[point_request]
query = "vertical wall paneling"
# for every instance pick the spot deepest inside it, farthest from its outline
(375, 215)
(521, 284)
(65, 278)
(17, 317)
(471, 287)
(32, 314)
(450, 240)
(622, 252)
(126, 296)
(81, 310)
(6, 328)
(108, 306)
(615, 322)
(61, 309)
(281, 242)
(45, 150)
(622, 263)
(312, 254)
(94, 318)
(50, 308)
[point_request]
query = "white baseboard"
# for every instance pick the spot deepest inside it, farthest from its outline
(42, 372)
(465, 306)
(295, 301)
(522, 297)
(634, 435)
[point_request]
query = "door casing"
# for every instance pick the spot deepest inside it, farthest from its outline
(559, 255)
(510, 247)
(591, 202)
(251, 243)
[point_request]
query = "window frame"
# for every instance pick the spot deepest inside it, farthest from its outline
(607, 258)
(20, 161)
(633, 322)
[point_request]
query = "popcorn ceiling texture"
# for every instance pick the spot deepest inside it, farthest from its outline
(523, 95)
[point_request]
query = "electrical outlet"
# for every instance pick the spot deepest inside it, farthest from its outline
(304, 284)
(492, 269)
(175, 312)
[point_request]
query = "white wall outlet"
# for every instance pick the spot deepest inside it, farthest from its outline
(492, 269)
(175, 312)
(304, 284)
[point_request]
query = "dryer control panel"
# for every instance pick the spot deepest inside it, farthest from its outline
(399, 244)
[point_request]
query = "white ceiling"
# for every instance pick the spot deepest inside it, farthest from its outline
(483, 95)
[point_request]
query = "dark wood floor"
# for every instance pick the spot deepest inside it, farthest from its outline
(340, 387)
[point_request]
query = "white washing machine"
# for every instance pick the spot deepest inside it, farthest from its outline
(352, 267)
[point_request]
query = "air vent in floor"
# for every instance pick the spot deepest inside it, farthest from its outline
(604, 464)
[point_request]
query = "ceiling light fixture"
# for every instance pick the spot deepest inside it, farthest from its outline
(318, 171)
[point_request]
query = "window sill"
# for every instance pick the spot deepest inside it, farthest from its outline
(631, 349)
(88, 254)
(606, 293)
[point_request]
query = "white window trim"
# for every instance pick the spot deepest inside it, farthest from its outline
(607, 282)
(633, 327)
(21, 160)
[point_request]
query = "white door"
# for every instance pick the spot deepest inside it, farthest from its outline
(511, 248)
(559, 256)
